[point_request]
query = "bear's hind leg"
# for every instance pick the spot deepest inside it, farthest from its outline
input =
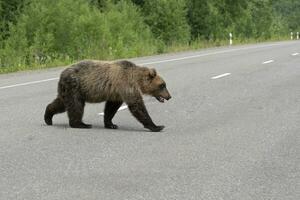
(57, 106)
(75, 109)
(111, 108)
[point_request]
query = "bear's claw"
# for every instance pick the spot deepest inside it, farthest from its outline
(156, 128)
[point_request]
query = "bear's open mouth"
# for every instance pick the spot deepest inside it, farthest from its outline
(160, 99)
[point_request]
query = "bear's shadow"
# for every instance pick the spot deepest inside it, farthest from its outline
(99, 127)
(121, 128)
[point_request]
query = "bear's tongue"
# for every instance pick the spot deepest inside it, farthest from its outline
(162, 100)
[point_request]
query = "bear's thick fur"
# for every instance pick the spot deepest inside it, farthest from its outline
(114, 82)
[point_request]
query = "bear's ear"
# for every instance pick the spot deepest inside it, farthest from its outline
(152, 73)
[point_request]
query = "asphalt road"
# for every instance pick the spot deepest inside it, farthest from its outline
(232, 132)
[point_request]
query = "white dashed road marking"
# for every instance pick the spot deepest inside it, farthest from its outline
(121, 108)
(295, 54)
(220, 76)
(268, 62)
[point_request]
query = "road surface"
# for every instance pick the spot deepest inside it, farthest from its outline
(232, 132)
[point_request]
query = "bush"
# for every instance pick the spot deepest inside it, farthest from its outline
(69, 30)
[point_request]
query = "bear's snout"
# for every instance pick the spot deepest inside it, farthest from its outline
(165, 94)
(168, 97)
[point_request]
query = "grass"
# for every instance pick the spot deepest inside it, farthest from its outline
(196, 45)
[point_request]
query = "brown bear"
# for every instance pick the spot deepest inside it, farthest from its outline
(114, 82)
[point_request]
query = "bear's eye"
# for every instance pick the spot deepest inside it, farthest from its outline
(162, 86)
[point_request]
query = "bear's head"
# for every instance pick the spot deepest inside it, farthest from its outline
(155, 86)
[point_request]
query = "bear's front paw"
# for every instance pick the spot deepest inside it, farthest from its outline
(48, 119)
(155, 128)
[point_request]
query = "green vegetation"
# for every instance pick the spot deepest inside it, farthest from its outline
(42, 33)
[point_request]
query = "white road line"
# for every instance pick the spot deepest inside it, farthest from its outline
(28, 83)
(267, 62)
(121, 108)
(295, 54)
(206, 54)
(220, 76)
(149, 63)
(187, 57)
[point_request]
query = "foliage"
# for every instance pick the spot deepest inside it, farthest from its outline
(289, 11)
(73, 30)
(9, 10)
(167, 20)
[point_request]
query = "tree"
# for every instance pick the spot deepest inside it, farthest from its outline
(9, 10)
(289, 12)
(167, 20)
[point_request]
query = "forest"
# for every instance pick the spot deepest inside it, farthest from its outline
(42, 33)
